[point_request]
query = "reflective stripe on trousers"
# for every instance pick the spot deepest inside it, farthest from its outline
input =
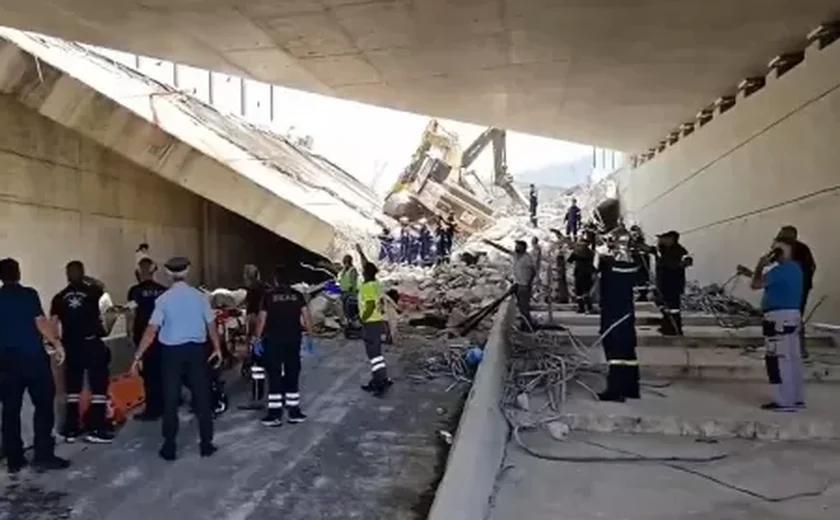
(783, 357)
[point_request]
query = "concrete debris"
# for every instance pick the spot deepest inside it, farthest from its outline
(558, 430)
(523, 402)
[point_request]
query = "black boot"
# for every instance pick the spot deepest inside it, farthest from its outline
(668, 327)
(678, 327)
(630, 382)
(613, 390)
(581, 308)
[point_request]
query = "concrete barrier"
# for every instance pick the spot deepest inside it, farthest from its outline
(479, 447)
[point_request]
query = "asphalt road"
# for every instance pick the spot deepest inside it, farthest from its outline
(356, 457)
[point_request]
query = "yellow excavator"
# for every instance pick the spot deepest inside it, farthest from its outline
(438, 181)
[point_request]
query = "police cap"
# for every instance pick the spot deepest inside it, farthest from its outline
(177, 265)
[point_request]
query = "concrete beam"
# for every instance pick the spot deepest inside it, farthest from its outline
(186, 142)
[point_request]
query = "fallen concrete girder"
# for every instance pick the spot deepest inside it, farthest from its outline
(243, 168)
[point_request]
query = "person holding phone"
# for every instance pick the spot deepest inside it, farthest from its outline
(781, 279)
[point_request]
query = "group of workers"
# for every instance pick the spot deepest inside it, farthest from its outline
(419, 243)
(625, 265)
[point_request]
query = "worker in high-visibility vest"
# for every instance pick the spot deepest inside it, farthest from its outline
(372, 314)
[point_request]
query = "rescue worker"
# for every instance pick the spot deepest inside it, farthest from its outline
(524, 273)
(25, 367)
(533, 203)
(348, 282)
(183, 321)
(640, 252)
(783, 286)
(424, 240)
(141, 303)
(141, 253)
(583, 258)
(536, 255)
(283, 318)
(447, 238)
(386, 246)
(802, 255)
(572, 220)
(672, 259)
(618, 321)
(372, 313)
(405, 241)
(76, 309)
(256, 291)
(560, 283)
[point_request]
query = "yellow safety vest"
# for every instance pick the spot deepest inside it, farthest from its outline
(346, 281)
(371, 292)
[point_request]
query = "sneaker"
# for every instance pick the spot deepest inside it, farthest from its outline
(167, 451)
(50, 463)
(207, 450)
(14, 466)
(100, 437)
(775, 407)
(296, 416)
(272, 420)
(71, 434)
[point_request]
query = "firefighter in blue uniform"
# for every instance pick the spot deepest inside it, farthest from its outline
(672, 259)
(618, 277)
(141, 301)
(282, 319)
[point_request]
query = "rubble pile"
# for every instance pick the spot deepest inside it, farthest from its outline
(453, 290)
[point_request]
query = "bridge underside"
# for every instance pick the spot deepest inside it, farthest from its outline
(616, 73)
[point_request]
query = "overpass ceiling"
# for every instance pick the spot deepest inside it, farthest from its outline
(618, 73)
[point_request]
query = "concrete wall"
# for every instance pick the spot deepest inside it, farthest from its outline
(64, 197)
(771, 160)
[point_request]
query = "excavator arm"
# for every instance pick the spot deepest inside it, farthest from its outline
(498, 138)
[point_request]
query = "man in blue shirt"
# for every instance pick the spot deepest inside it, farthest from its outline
(183, 321)
(25, 366)
(783, 285)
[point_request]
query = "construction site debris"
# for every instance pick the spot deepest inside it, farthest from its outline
(731, 311)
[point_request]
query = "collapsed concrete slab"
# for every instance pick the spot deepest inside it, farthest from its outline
(241, 167)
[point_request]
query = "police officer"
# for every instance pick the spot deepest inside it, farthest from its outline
(618, 321)
(672, 259)
(183, 321)
(25, 366)
(572, 220)
(372, 313)
(256, 290)
(583, 257)
(76, 308)
(141, 302)
(283, 318)
(405, 241)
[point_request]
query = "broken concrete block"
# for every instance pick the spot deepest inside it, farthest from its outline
(558, 430)
(523, 402)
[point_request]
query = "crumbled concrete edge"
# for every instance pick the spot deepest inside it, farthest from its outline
(467, 486)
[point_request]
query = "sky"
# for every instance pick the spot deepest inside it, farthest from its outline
(374, 144)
